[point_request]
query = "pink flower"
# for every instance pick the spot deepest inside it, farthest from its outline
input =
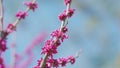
(3, 45)
(67, 1)
(39, 62)
(59, 34)
(71, 59)
(55, 33)
(62, 61)
(62, 16)
(70, 12)
(31, 5)
(52, 62)
(63, 36)
(21, 14)
(10, 28)
(49, 48)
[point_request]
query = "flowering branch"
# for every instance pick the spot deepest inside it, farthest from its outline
(50, 46)
(11, 27)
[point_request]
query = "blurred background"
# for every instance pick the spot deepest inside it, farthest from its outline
(94, 28)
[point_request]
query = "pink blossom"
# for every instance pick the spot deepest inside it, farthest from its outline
(39, 62)
(59, 34)
(31, 5)
(55, 33)
(3, 45)
(63, 36)
(52, 62)
(62, 16)
(62, 61)
(10, 28)
(21, 14)
(71, 59)
(67, 1)
(70, 12)
(49, 48)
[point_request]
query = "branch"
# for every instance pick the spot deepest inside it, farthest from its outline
(1, 15)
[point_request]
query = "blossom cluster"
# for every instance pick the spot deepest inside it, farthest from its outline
(50, 46)
(61, 62)
(63, 15)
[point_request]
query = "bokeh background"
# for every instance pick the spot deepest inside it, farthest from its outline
(94, 28)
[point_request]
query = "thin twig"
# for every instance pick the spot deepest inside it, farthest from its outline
(78, 53)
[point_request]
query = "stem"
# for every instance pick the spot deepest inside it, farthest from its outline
(42, 65)
(78, 53)
(1, 15)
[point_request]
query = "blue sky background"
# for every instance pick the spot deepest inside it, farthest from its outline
(94, 28)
